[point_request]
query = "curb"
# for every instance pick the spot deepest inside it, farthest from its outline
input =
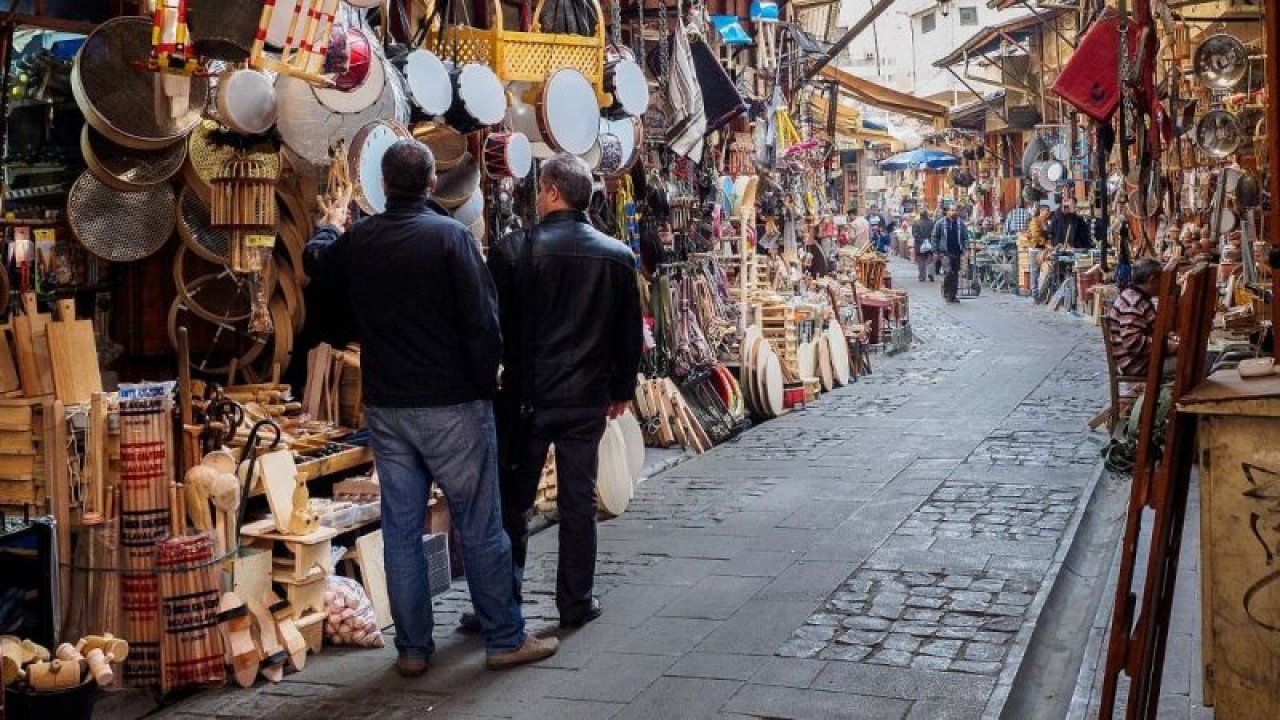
(995, 704)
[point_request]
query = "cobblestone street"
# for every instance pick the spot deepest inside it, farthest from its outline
(882, 554)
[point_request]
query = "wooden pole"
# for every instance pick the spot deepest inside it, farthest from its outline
(1271, 21)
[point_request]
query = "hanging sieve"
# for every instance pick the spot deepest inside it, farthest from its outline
(208, 150)
(122, 103)
(120, 226)
(212, 244)
(128, 169)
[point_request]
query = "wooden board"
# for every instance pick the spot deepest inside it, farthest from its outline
(73, 357)
(374, 575)
(9, 379)
(31, 340)
(278, 475)
(1225, 390)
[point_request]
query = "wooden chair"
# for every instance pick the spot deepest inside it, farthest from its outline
(1120, 403)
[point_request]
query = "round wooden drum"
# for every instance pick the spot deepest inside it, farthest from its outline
(563, 116)
(365, 162)
(429, 83)
(507, 154)
(246, 101)
(630, 134)
(626, 83)
(479, 99)
(364, 80)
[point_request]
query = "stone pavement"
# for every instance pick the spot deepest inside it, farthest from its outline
(882, 554)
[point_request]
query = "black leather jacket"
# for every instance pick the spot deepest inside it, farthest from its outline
(577, 287)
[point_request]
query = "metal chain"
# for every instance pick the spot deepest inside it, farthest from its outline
(615, 19)
(637, 33)
(664, 41)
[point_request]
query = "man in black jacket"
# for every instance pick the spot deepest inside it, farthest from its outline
(1069, 229)
(427, 319)
(570, 312)
(921, 233)
(951, 240)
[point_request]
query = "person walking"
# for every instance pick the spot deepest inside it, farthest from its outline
(921, 232)
(427, 318)
(570, 309)
(950, 240)
(1070, 230)
(1018, 220)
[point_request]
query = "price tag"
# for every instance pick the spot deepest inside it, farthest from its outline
(260, 241)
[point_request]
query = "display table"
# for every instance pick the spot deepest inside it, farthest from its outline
(1239, 541)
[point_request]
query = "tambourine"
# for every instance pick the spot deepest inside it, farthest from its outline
(245, 101)
(507, 154)
(363, 81)
(567, 112)
(1221, 62)
(429, 83)
(611, 154)
(478, 99)
(364, 160)
(625, 82)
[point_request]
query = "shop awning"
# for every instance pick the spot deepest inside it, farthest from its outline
(883, 97)
(850, 123)
(973, 114)
(988, 40)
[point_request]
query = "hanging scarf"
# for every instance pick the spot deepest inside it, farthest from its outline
(689, 118)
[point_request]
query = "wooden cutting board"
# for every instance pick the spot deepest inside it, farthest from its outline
(73, 356)
(31, 341)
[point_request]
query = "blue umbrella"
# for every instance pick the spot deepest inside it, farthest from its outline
(920, 160)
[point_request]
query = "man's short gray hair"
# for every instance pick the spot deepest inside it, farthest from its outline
(570, 175)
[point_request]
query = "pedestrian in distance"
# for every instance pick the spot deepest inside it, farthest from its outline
(570, 308)
(950, 240)
(427, 318)
(921, 234)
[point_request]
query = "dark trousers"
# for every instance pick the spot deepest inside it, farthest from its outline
(951, 281)
(923, 261)
(576, 434)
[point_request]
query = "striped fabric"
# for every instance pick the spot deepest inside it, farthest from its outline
(1132, 317)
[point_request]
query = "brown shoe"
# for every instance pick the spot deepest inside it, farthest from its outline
(411, 667)
(532, 649)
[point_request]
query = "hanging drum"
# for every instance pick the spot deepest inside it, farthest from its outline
(126, 168)
(310, 127)
(567, 113)
(472, 209)
(245, 100)
(507, 154)
(121, 102)
(624, 80)
(364, 160)
(630, 133)
(524, 118)
(1221, 62)
(120, 226)
(611, 154)
(362, 81)
(479, 100)
(1218, 134)
(429, 82)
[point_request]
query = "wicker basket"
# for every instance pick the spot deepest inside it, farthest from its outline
(525, 56)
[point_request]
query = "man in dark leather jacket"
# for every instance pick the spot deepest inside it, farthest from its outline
(570, 312)
(427, 315)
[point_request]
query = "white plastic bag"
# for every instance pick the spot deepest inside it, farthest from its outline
(349, 616)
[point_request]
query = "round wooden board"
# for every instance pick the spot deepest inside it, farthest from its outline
(773, 386)
(613, 481)
(806, 358)
(824, 366)
(759, 375)
(839, 354)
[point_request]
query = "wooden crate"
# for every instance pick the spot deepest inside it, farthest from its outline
(26, 436)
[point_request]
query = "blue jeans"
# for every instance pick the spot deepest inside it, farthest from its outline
(456, 446)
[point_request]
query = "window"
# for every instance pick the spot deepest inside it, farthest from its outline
(928, 22)
(968, 16)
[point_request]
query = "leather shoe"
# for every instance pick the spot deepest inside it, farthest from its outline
(593, 612)
(532, 649)
(411, 667)
(469, 623)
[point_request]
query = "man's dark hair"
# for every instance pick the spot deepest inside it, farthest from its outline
(570, 175)
(409, 169)
(924, 214)
(1144, 270)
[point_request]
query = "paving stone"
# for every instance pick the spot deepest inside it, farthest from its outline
(908, 643)
(941, 648)
(689, 698)
(798, 704)
(895, 658)
(863, 622)
(716, 666)
(788, 672)
(971, 666)
(846, 653)
(983, 652)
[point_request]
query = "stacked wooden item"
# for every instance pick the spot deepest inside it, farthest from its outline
(666, 417)
(30, 672)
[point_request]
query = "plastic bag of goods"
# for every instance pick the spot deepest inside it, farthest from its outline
(349, 617)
